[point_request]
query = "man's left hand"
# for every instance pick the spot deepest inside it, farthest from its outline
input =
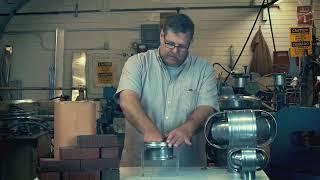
(180, 135)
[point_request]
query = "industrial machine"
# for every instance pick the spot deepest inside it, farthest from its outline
(112, 118)
(295, 152)
(280, 113)
(280, 90)
(244, 134)
(26, 129)
(25, 118)
(240, 80)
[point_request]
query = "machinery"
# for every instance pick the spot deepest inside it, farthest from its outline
(237, 102)
(295, 153)
(25, 118)
(26, 129)
(112, 118)
(240, 135)
(230, 102)
(292, 129)
(240, 80)
(244, 134)
(279, 90)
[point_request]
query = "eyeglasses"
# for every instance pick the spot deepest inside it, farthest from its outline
(172, 45)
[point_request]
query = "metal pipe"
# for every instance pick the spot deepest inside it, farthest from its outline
(7, 61)
(38, 88)
(72, 30)
(182, 8)
(136, 10)
(50, 13)
(52, 69)
(58, 61)
(267, 106)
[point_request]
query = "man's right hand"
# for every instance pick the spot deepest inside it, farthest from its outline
(152, 135)
(134, 113)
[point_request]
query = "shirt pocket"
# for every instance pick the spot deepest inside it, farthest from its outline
(190, 97)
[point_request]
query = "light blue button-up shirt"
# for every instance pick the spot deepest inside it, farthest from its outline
(167, 100)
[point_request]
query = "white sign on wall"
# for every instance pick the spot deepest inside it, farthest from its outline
(104, 69)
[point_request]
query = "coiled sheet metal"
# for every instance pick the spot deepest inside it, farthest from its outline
(157, 151)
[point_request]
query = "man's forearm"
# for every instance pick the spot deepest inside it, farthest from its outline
(133, 111)
(198, 117)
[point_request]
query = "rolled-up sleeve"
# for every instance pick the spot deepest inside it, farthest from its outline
(130, 77)
(208, 94)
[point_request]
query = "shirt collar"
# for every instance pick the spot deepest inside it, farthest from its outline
(161, 61)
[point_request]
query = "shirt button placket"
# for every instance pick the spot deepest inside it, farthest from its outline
(168, 106)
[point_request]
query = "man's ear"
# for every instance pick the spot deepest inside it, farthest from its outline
(161, 36)
(191, 40)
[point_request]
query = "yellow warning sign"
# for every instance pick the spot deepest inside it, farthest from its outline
(300, 41)
(104, 73)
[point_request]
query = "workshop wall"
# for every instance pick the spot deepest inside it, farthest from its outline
(316, 8)
(101, 30)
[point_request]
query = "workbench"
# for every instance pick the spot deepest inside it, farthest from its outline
(186, 173)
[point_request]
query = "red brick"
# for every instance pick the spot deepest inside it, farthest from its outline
(50, 176)
(105, 140)
(81, 175)
(53, 165)
(98, 164)
(79, 153)
(111, 152)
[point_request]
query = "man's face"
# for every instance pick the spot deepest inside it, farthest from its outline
(174, 47)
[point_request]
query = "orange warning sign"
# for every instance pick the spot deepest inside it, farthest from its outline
(300, 41)
(104, 73)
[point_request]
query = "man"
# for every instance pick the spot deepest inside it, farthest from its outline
(167, 94)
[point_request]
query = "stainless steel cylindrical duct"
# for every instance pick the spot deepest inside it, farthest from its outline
(240, 127)
(243, 133)
(247, 161)
(157, 151)
(240, 81)
(238, 157)
(279, 79)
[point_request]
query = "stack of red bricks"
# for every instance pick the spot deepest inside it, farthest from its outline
(95, 157)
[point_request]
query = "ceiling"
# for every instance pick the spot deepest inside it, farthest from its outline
(7, 10)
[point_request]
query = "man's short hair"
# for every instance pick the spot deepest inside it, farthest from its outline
(179, 23)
